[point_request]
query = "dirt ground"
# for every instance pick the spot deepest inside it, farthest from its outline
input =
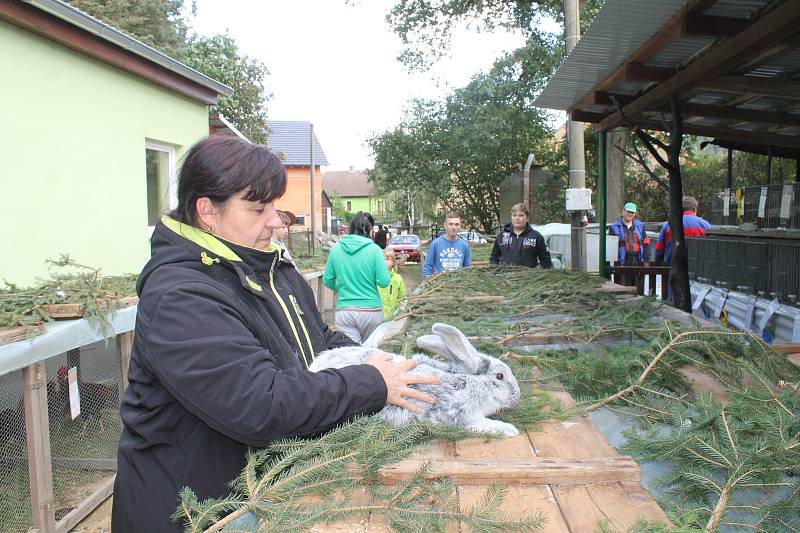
(100, 520)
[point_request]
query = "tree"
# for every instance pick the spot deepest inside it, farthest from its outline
(158, 23)
(218, 57)
(461, 148)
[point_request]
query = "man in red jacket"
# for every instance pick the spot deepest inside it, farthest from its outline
(693, 226)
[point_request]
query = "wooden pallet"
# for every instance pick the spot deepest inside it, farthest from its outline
(19, 333)
(566, 469)
(73, 311)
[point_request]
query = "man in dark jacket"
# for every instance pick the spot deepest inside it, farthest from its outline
(380, 236)
(520, 244)
(203, 385)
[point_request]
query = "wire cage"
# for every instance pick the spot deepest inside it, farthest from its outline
(59, 431)
(775, 206)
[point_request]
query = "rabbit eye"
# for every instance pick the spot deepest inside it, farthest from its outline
(499, 376)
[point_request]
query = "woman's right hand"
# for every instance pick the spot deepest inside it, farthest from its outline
(398, 379)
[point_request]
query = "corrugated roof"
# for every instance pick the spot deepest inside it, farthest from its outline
(347, 183)
(290, 138)
(102, 30)
(619, 29)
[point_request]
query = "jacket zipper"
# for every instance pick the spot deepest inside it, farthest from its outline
(299, 313)
(282, 303)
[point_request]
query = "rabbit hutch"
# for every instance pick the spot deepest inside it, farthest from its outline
(60, 388)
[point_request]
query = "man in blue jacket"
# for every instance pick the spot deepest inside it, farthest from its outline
(449, 251)
(632, 236)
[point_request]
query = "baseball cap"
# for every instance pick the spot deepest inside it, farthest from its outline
(630, 206)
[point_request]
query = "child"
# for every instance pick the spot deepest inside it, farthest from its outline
(395, 292)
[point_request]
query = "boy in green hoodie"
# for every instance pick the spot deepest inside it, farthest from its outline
(355, 270)
(393, 294)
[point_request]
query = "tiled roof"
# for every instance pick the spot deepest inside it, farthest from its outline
(347, 183)
(289, 138)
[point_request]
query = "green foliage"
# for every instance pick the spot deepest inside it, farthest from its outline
(295, 484)
(218, 57)
(158, 23)
(69, 282)
(459, 150)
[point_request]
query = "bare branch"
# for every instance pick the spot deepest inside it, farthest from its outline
(646, 141)
(638, 158)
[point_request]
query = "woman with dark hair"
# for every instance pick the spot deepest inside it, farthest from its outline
(225, 330)
(355, 270)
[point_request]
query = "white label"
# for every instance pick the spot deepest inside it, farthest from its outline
(786, 200)
(762, 202)
(726, 203)
(74, 393)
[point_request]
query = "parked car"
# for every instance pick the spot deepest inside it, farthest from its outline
(407, 245)
(472, 236)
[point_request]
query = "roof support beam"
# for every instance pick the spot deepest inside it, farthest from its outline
(585, 116)
(774, 27)
(755, 86)
(740, 115)
(755, 137)
(640, 72)
(605, 98)
(712, 26)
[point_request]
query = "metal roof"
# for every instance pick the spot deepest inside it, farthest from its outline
(618, 30)
(289, 138)
(108, 33)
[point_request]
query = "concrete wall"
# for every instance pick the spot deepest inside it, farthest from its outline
(72, 156)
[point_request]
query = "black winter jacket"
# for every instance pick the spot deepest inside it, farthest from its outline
(218, 365)
(528, 249)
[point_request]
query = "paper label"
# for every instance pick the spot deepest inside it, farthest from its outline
(74, 393)
(786, 200)
(726, 203)
(762, 202)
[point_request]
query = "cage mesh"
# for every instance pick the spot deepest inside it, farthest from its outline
(15, 499)
(83, 448)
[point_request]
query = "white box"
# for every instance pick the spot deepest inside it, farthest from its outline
(579, 199)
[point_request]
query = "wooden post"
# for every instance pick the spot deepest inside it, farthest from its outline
(320, 296)
(124, 345)
(37, 433)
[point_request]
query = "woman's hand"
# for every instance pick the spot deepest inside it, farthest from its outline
(398, 379)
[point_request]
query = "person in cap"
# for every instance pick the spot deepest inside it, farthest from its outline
(632, 236)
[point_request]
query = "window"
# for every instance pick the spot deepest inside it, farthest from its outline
(162, 193)
(349, 205)
(301, 220)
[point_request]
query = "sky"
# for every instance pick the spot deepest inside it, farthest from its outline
(334, 64)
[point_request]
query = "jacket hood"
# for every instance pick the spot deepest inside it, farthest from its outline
(174, 243)
(510, 228)
(353, 243)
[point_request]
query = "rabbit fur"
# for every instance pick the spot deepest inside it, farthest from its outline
(471, 386)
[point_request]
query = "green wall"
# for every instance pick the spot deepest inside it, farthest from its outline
(72, 156)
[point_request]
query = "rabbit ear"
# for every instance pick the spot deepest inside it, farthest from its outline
(460, 350)
(433, 343)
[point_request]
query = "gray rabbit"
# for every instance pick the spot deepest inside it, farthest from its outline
(471, 385)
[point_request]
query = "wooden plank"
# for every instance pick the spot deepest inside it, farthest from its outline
(72, 311)
(614, 288)
(37, 433)
(518, 447)
(703, 382)
(124, 347)
(741, 115)
(754, 86)
(787, 348)
(771, 29)
(88, 505)
(19, 333)
(531, 471)
(521, 500)
(437, 449)
(575, 438)
(320, 295)
(619, 503)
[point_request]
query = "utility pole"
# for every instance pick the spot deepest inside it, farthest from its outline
(313, 203)
(577, 163)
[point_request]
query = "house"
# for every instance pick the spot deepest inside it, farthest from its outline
(352, 191)
(96, 121)
(290, 139)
